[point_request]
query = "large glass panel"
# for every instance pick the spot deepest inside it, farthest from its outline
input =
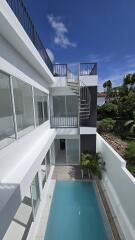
(7, 134)
(38, 98)
(72, 151)
(60, 151)
(35, 194)
(71, 105)
(43, 172)
(48, 164)
(59, 109)
(45, 105)
(23, 106)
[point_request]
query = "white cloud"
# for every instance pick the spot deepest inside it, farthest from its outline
(100, 58)
(60, 30)
(50, 54)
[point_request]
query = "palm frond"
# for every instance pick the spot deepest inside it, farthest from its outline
(128, 123)
(132, 128)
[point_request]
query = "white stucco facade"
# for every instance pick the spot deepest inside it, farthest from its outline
(120, 187)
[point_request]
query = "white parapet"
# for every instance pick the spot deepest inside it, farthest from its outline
(87, 130)
(120, 187)
(89, 80)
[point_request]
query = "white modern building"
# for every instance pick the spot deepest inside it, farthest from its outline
(47, 118)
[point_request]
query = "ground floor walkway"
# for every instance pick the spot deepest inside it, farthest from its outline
(67, 173)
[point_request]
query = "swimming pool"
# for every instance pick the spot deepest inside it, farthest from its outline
(75, 213)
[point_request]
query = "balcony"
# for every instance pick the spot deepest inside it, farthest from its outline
(64, 122)
(22, 15)
(88, 69)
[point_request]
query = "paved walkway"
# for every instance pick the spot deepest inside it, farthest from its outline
(67, 173)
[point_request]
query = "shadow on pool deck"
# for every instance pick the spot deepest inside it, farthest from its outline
(67, 173)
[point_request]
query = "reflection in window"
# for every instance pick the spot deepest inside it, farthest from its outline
(72, 105)
(41, 106)
(48, 163)
(35, 194)
(59, 109)
(45, 105)
(38, 98)
(65, 106)
(72, 151)
(6, 116)
(23, 106)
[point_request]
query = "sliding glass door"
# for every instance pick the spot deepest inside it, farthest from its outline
(67, 152)
(72, 151)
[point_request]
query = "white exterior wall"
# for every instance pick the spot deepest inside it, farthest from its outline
(89, 80)
(12, 30)
(11, 62)
(120, 187)
(87, 130)
(21, 160)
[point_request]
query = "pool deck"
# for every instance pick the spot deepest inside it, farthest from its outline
(67, 173)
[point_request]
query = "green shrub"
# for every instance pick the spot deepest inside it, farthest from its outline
(106, 125)
(130, 153)
(107, 109)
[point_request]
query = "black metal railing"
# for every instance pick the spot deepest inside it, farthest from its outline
(64, 122)
(60, 70)
(88, 69)
(22, 15)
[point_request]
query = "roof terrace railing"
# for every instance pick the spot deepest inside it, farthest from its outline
(21, 13)
(88, 69)
(60, 70)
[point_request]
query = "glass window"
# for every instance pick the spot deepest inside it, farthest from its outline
(48, 163)
(38, 98)
(72, 151)
(43, 172)
(59, 109)
(45, 105)
(7, 134)
(65, 106)
(35, 194)
(23, 106)
(72, 105)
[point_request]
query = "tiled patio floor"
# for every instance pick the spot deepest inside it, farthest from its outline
(67, 173)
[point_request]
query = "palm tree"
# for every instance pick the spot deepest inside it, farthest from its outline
(104, 86)
(109, 84)
(131, 124)
(109, 88)
(133, 80)
(127, 80)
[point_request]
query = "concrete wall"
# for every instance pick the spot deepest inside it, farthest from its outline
(120, 187)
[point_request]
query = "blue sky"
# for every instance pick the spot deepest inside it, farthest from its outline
(101, 31)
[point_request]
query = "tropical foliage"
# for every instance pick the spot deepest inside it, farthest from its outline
(117, 115)
(130, 157)
(94, 163)
(106, 125)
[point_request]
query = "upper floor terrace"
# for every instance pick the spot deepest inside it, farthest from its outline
(72, 96)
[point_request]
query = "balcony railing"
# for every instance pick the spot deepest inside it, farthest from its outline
(88, 69)
(64, 122)
(22, 15)
(60, 70)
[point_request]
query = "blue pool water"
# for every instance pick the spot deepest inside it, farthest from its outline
(75, 213)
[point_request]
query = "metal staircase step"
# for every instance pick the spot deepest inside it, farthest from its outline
(73, 83)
